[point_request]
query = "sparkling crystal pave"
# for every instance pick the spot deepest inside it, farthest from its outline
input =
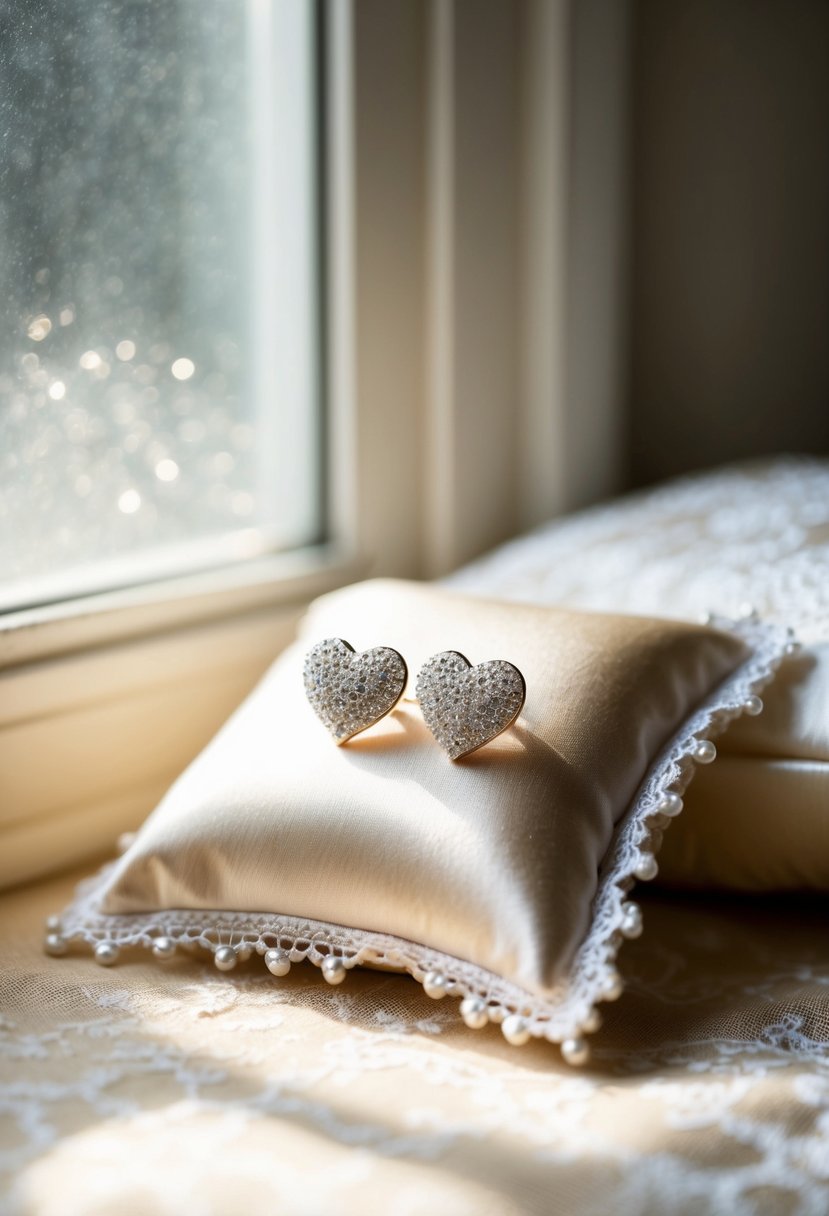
(348, 691)
(465, 706)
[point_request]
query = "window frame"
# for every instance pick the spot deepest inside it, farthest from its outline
(209, 573)
(420, 355)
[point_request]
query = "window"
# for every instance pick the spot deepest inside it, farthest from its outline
(159, 342)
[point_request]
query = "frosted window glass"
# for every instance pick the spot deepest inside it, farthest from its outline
(158, 311)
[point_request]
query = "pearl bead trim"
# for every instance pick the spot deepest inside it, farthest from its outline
(566, 1012)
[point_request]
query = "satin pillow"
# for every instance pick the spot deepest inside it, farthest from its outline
(500, 878)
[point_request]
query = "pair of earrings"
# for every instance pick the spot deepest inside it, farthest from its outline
(463, 706)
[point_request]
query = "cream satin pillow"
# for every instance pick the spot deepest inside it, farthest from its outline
(501, 878)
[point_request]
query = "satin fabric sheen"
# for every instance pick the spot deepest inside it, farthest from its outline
(493, 859)
(758, 819)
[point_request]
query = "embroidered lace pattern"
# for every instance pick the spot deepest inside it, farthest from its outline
(742, 536)
(164, 1089)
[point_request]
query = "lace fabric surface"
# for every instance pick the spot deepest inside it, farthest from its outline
(752, 535)
(166, 1089)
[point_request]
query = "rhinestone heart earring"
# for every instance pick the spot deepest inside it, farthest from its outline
(349, 692)
(465, 706)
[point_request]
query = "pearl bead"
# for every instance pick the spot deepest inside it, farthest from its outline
(647, 867)
(277, 962)
(434, 985)
(474, 1012)
(244, 952)
(592, 1022)
(497, 1014)
(753, 706)
(53, 924)
(333, 969)
(705, 752)
(225, 958)
(55, 945)
(575, 1051)
(164, 947)
(515, 1030)
(631, 920)
(612, 986)
(670, 804)
(106, 953)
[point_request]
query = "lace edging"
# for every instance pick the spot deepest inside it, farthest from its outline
(565, 1012)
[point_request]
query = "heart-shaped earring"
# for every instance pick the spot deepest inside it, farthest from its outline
(465, 706)
(349, 692)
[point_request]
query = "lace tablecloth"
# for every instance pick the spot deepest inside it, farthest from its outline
(174, 1088)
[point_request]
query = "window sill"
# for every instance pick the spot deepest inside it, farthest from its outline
(92, 621)
(104, 699)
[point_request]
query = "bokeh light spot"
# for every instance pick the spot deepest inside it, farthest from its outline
(183, 369)
(166, 470)
(129, 502)
(39, 328)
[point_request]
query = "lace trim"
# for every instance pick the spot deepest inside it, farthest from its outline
(562, 1014)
